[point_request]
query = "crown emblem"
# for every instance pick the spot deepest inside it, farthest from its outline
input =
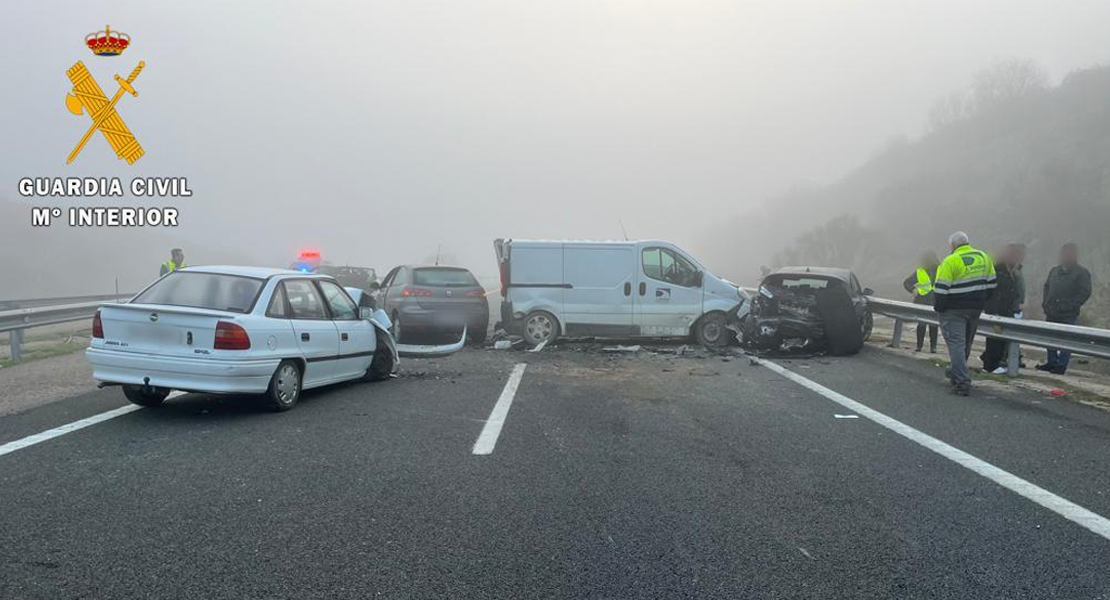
(107, 42)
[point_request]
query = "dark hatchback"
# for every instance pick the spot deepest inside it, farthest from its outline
(434, 300)
(808, 310)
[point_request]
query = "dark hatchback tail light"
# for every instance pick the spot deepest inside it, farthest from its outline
(230, 336)
(98, 327)
(416, 293)
(476, 294)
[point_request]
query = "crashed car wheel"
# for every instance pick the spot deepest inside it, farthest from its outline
(711, 331)
(151, 397)
(540, 327)
(868, 325)
(285, 387)
(382, 366)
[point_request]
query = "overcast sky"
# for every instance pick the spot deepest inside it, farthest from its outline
(378, 130)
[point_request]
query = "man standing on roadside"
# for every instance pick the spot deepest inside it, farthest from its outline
(1066, 289)
(965, 281)
(1003, 302)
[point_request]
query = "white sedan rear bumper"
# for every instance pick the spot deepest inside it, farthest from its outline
(182, 373)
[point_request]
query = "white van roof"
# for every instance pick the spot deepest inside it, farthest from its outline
(614, 242)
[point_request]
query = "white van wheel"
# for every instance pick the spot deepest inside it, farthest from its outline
(711, 330)
(539, 327)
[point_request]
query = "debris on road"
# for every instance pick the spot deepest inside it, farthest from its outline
(538, 347)
(502, 345)
(633, 348)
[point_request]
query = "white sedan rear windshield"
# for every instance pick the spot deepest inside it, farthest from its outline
(444, 277)
(203, 290)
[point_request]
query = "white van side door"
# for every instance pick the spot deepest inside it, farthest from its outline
(600, 298)
(669, 294)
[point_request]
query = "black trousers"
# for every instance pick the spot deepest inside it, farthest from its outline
(921, 335)
(995, 354)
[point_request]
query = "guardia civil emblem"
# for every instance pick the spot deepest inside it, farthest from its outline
(87, 98)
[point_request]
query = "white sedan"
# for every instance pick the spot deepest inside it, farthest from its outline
(243, 330)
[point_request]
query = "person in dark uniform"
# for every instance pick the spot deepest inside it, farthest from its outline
(920, 283)
(1066, 290)
(1003, 303)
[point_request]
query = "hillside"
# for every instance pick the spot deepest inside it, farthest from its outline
(1010, 159)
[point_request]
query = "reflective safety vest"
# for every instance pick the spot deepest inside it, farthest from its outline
(965, 279)
(924, 285)
(169, 266)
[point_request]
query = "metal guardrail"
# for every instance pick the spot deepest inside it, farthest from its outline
(1089, 341)
(59, 300)
(64, 310)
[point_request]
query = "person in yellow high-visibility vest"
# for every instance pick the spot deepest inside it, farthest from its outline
(964, 282)
(176, 261)
(920, 284)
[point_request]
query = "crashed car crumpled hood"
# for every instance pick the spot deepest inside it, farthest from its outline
(802, 321)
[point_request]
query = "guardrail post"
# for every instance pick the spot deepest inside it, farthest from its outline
(15, 338)
(1013, 362)
(896, 339)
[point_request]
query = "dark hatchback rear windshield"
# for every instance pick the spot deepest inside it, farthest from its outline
(444, 277)
(203, 290)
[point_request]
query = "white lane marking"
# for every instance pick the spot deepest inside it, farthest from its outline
(1065, 508)
(488, 438)
(846, 416)
(50, 434)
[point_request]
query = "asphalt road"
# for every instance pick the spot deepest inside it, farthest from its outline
(612, 476)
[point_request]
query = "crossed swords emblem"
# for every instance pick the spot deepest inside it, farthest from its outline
(88, 97)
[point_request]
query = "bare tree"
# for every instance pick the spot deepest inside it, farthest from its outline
(948, 110)
(1006, 80)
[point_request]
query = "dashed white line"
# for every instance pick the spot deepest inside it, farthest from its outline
(50, 434)
(488, 438)
(1065, 508)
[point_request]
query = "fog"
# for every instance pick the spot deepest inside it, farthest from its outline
(381, 131)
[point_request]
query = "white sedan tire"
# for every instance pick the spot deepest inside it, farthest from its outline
(285, 387)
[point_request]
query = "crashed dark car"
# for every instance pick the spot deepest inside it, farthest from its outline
(807, 310)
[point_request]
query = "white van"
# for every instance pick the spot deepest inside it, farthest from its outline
(645, 288)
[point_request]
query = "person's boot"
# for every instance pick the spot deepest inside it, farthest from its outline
(963, 389)
(918, 349)
(932, 348)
